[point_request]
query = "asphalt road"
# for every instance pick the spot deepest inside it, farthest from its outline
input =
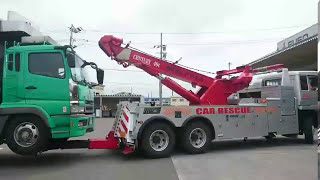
(281, 158)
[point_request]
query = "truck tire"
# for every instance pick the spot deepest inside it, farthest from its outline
(196, 138)
(270, 136)
(157, 140)
(27, 135)
(307, 128)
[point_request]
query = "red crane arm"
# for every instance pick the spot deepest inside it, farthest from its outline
(213, 91)
(126, 56)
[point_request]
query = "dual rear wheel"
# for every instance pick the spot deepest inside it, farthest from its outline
(159, 139)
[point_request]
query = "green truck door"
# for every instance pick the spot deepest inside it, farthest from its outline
(12, 76)
(46, 83)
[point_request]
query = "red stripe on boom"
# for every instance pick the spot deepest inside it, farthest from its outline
(126, 117)
(124, 126)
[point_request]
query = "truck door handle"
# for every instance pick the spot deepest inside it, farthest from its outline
(31, 87)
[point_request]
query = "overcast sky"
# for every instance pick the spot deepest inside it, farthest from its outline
(206, 34)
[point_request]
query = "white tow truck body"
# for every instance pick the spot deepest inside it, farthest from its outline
(270, 106)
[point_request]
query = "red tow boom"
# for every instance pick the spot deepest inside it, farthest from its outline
(213, 91)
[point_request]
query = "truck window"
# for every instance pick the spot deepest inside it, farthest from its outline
(47, 64)
(304, 83)
(250, 95)
(10, 62)
(272, 82)
(17, 62)
(313, 83)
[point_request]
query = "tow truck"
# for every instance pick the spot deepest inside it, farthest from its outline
(262, 111)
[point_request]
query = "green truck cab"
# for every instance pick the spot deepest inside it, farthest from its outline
(45, 96)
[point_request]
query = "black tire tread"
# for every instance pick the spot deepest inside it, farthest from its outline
(40, 145)
(308, 133)
(145, 147)
(185, 143)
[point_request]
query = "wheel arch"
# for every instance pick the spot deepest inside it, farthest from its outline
(11, 112)
(3, 122)
(302, 114)
(153, 120)
(204, 120)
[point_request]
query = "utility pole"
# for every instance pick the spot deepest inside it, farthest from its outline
(73, 30)
(160, 84)
(163, 55)
(71, 33)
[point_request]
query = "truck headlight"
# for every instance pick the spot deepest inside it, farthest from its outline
(74, 108)
(74, 91)
(81, 109)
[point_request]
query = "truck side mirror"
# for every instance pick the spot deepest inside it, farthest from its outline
(100, 76)
(71, 60)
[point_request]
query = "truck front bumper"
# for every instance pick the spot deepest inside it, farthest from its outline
(80, 124)
(74, 125)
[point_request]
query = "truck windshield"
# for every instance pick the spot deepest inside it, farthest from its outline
(309, 83)
(79, 74)
(313, 81)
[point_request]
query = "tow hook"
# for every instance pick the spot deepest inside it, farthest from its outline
(128, 150)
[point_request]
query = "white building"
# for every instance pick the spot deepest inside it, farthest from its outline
(99, 90)
(297, 52)
(178, 101)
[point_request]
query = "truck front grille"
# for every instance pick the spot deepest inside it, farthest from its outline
(89, 109)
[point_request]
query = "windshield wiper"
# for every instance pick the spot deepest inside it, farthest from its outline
(75, 79)
(83, 82)
(93, 84)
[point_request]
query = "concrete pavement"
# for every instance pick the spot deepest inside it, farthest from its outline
(281, 158)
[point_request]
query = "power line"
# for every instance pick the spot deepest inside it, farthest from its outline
(198, 70)
(246, 30)
(121, 70)
(182, 33)
(194, 44)
(142, 84)
(137, 83)
(217, 43)
(207, 43)
(203, 43)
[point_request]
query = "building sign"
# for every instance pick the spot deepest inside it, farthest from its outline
(297, 38)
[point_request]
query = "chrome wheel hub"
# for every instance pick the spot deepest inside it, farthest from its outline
(26, 134)
(198, 138)
(159, 140)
